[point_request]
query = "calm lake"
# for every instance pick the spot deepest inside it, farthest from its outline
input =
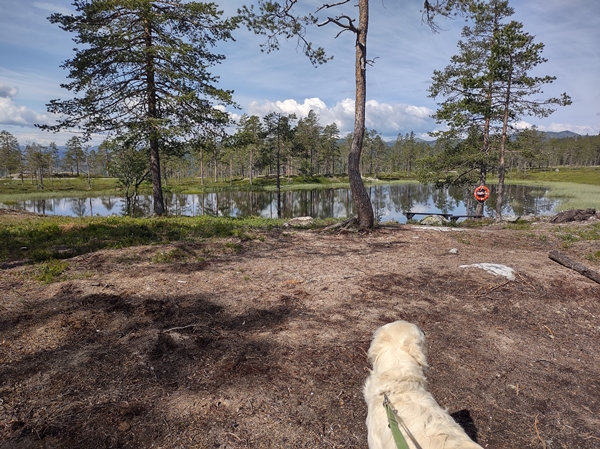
(389, 201)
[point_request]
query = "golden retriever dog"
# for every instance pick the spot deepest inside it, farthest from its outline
(399, 358)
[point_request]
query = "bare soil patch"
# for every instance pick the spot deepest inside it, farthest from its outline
(261, 344)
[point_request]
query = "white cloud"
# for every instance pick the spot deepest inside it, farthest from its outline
(388, 119)
(7, 91)
(559, 127)
(27, 135)
(12, 114)
(397, 118)
(522, 125)
(579, 129)
(342, 113)
(287, 107)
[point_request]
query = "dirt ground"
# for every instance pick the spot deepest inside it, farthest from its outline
(262, 343)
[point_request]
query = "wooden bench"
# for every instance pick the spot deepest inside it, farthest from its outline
(456, 217)
(447, 216)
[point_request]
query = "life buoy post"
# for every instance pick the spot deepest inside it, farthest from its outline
(481, 193)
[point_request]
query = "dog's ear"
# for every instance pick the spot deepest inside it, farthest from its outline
(417, 349)
(379, 345)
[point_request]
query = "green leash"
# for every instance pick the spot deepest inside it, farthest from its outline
(393, 421)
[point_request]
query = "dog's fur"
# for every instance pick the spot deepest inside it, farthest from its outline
(399, 357)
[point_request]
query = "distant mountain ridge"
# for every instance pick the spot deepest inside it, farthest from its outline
(546, 134)
(560, 134)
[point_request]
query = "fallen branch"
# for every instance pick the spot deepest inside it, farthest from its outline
(569, 263)
(494, 288)
(535, 424)
(178, 328)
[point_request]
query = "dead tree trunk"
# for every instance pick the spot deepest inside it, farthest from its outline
(569, 263)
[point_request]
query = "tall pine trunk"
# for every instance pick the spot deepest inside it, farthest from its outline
(488, 118)
(251, 164)
(502, 164)
(485, 150)
(157, 194)
(202, 166)
(278, 170)
(361, 199)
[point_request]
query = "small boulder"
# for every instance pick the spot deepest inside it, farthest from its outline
(495, 269)
(433, 220)
(299, 222)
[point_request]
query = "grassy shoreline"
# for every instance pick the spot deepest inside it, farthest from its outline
(37, 238)
(79, 185)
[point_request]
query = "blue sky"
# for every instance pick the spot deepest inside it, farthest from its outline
(405, 52)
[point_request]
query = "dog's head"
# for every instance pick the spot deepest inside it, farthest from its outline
(392, 341)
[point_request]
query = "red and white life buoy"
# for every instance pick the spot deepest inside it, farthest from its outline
(481, 193)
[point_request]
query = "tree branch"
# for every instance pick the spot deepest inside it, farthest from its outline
(346, 27)
(333, 5)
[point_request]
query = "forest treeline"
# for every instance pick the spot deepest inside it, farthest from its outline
(305, 148)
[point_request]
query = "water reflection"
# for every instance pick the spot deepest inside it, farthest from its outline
(389, 202)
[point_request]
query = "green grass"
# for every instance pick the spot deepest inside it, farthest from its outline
(571, 195)
(10, 199)
(13, 192)
(577, 188)
(51, 271)
(575, 196)
(176, 254)
(519, 225)
(40, 239)
(594, 257)
(77, 184)
(571, 234)
(193, 185)
(583, 175)
(476, 222)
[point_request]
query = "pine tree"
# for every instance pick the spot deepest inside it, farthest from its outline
(515, 55)
(37, 161)
(129, 165)
(307, 140)
(143, 69)
(486, 88)
(74, 155)
(278, 133)
(330, 147)
(277, 19)
(53, 156)
(10, 153)
(247, 140)
(467, 85)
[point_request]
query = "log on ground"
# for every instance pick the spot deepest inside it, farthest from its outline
(570, 263)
